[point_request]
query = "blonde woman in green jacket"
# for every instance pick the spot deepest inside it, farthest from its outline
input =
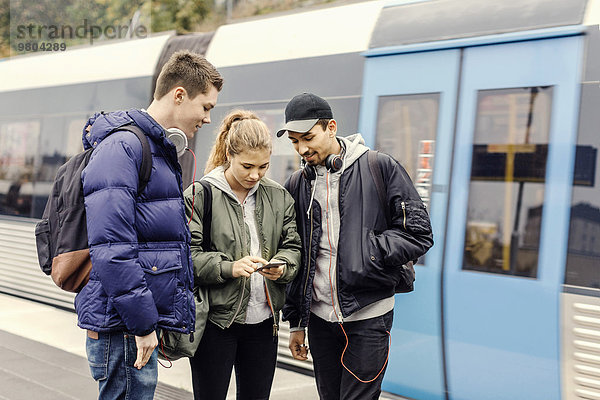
(253, 224)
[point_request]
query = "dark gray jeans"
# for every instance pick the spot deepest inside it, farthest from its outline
(368, 343)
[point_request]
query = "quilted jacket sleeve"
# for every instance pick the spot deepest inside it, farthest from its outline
(409, 236)
(110, 183)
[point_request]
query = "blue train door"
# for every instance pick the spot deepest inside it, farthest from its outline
(487, 135)
(508, 214)
(408, 110)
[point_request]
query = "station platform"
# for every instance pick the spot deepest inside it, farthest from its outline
(42, 354)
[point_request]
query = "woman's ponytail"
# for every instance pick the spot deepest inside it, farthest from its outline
(218, 154)
(239, 130)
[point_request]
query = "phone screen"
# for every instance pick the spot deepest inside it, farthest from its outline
(271, 265)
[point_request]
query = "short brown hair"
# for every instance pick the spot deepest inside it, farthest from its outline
(190, 71)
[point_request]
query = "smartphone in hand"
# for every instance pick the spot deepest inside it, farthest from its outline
(274, 264)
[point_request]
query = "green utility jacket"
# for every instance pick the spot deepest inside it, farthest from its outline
(230, 241)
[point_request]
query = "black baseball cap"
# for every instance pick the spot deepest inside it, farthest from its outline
(303, 112)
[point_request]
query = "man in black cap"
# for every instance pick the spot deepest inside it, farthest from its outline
(357, 242)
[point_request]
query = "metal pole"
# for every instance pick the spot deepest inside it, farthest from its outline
(229, 8)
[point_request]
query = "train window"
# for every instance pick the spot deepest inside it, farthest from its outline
(60, 139)
(506, 192)
(18, 151)
(583, 250)
(406, 129)
(74, 143)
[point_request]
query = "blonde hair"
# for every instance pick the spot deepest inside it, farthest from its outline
(240, 130)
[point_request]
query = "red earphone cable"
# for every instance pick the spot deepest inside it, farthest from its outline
(162, 350)
(387, 357)
(333, 302)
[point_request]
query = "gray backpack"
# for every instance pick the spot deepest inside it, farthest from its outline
(61, 235)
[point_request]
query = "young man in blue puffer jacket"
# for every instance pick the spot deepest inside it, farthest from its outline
(141, 278)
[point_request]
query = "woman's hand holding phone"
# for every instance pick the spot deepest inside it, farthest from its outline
(246, 266)
(272, 270)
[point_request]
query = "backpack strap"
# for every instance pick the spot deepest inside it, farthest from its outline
(378, 179)
(206, 216)
(146, 168)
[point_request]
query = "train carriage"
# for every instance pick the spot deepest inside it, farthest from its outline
(492, 113)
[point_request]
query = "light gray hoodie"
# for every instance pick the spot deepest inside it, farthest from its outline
(325, 190)
(258, 309)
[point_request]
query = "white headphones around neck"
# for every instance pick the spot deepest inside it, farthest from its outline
(179, 139)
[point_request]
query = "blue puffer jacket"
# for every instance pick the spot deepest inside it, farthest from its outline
(141, 274)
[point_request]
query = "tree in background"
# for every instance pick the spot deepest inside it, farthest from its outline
(4, 29)
(181, 15)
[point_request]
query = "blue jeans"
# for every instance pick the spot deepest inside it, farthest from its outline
(366, 355)
(111, 358)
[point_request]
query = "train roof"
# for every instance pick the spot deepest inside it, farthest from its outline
(100, 62)
(337, 29)
(418, 21)
(325, 31)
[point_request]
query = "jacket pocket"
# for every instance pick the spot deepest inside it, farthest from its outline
(372, 272)
(406, 278)
(42, 241)
(415, 217)
(162, 269)
(377, 275)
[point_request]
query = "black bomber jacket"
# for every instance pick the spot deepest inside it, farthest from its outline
(369, 251)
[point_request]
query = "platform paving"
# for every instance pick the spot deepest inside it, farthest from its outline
(42, 357)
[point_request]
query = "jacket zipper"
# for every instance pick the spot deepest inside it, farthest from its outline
(403, 214)
(263, 245)
(243, 227)
(309, 258)
(337, 264)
